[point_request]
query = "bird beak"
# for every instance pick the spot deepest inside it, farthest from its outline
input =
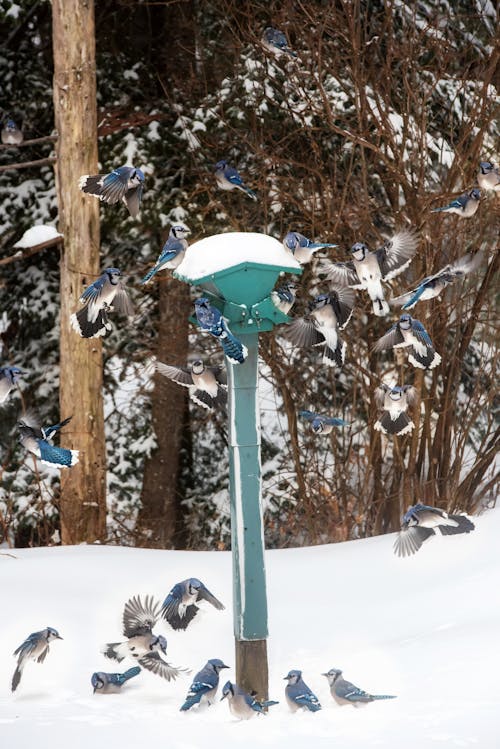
(223, 697)
(59, 637)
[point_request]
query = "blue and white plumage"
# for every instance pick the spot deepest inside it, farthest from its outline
(301, 247)
(34, 648)
(465, 205)
(207, 385)
(345, 693)
(8, 381)
(228, 178)
(11, 135)
(395, 401)
(276, 42)
(106, 683)
(211, 320)
(421, 522)
(322, 424)
(243, 705)
(205, 684)
(488, 177)
(125, 183)
(298, 695)
(35, 438)
(172, 253)
(284, 296)
(179, 607)
(107, 293)
(408, 332)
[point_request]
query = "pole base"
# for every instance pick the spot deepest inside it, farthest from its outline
(252, 672)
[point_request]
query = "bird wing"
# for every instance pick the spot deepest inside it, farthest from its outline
(181, 375)
(49, 431)
(421, 334)
(233, 176)
(409, 540)
(461, 524)
(114, 187)
(380, 393)
(334, 421)
(390, 339)
(350, 692)
(154, 662)
(303, 332)
(396, 253)
(342, 299)
(205, 595)
(309, 415)
(411, 394)
(139, 618)
(92, 292)
(122, 303)
(132, 199)
(220, 374)
(341, 273)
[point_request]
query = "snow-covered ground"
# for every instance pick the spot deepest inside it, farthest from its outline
(425, 628)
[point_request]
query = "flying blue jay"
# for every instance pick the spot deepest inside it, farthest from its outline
(205, 684)
(243, 705)
(421, 522)
(141, 644)
(488, 176)
(395, 401)
(322, 424)
(284, 296)
(433, 285)
(368, 269)
(328, 313)
(465, 205)
(105, 294)
(207, 385)
(105, 683)
(179, 607)
(345, 693)
(275, 41)
(228, 178)
(35, 438)
(172, 253)
(298, 694)
(410, 332)
(11, 135)
(301, 247)
(211, 320)
(34, 648)
(8, 381)
(124, 183)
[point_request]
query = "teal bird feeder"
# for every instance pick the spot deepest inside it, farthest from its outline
(237, 271)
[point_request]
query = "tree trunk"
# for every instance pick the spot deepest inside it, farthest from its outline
(83, 487)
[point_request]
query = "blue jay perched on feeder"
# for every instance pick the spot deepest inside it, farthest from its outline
(275, 41)
(421, 522)
(395, 401)
(34, 648)
(433, 285)
(35, 438)
(302, 248)
(322, 424)
(12, 135)
(207, 385)
(105, 294)
(368, 269)
(328, 313)
(298, 695)
(465, 205)
(228, 178)
(488, 176)
(124, 183)
(410, 332)
(179, 607)
(284, 296)
(345, 693)
(243, 705)
(172, 253)
(205, 684)
(8, 381)
(211, 320)
(105, 683)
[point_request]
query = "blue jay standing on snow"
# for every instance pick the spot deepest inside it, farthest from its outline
(172, 253)
(205, 684)
(34, 648)
(124, 183)
(395, 401)
(207, 385)
(322, 424)
(421, 522)
(465, 205)
(8, 381)
(345, 693)
(284, 296)
(275, 41)
(241, 704)
(35, 438)
(298, 694)
(211, 320)
(488, 176)
(179, 607)
(11, 135)
(228, 178)
(105, 683)
(410, 332)
(105, 294)
(303, 248)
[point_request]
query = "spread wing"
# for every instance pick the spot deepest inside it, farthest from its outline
(205, 595)
(390, 339)
(181, 375)
(341, 273)
(139, 618)
(397, 253)
(303, 332)
(154, 662)
(122, 303)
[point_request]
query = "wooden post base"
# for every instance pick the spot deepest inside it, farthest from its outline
(252, 673)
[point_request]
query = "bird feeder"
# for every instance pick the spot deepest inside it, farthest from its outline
(238, 271)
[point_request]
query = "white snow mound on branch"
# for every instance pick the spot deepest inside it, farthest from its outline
(37, 235)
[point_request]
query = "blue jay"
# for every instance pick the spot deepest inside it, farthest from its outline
(179, 607)
(488, 176)
(395, 401)
(228, 178)
(124, 183)
(35, 438)
(432, 286)
(34, 648)
(328, 313)
(345, 693)
(284, 296)
(205, 684)
(207, 385)
(421, 522)
(8, 381)
(465, 205)
(410, 332)
(105, 683)
(172, 253)
(12, 135)
(105, 294)
(243, 705)
(322, 424)
(302, 248)
(211, 320)
(141, 644)
(368, 269)
(275, 41)
(298, 695)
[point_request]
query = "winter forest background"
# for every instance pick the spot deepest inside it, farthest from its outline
(385, 114)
